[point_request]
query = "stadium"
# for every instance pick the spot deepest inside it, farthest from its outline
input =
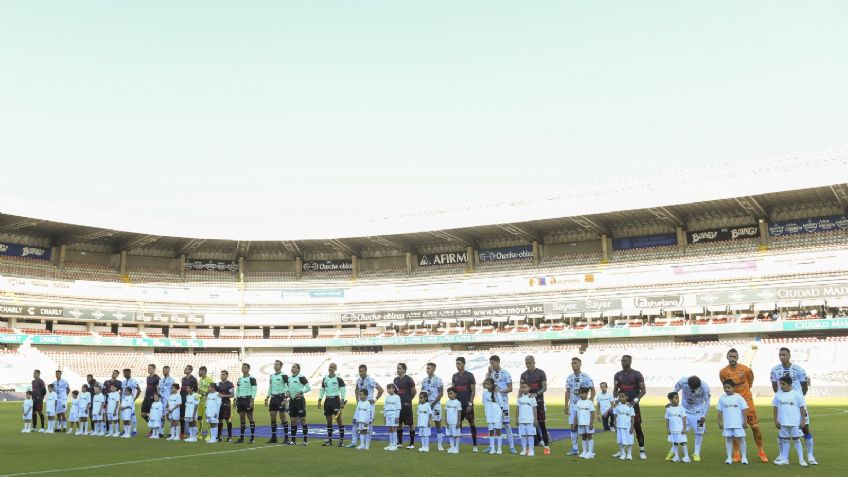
(219, 263)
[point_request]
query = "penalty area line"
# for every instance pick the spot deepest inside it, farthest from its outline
(131, 462)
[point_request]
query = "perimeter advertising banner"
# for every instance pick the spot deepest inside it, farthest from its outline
(428, 259)
(772, 294)
(723, 235)
(88, 314)
(33, 311)
(327, 265)
(211, 265)
(646, 241)
(24, 251)
(524, 252)
(808, 226)
(483, 312)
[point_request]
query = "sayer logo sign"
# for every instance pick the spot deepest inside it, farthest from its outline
(428, 259)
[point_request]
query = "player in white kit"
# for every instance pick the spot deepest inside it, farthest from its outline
(695, 399)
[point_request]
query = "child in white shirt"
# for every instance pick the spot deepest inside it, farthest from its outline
(155, 422)
(675, 424)
(191, 413)
(790, 413)
(453, 410)
(173, 411)
(625, 418)
(113, 406)
(213, 410)
(127, 412)
(526, 419)
(605, 401)
(584, 425)
(28, 405)
(425, 414)
(492, 405)
(391, 409)
(98, 405)
(732, 419)
(84, 405)
(73, 415)
(50, 404)
(362, 419)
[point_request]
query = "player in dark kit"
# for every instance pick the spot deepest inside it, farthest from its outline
(151, 389)
(188, 381)
(632, 383)
(465, 384)
(225, 389)
(537, 381)
(39, 390)
(405, 387)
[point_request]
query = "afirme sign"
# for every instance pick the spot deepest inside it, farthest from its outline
(427, 259)
(34, 311)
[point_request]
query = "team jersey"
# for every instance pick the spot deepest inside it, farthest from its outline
(278, 384)
(368, 384)
(192, 401)
(794, 371)
(534, 380)
(74, 408)
(213, 405)
(298, 384)
(693, 401)
(188, 380)
(732, 409)
(156, 411)
(61, 388)
(526, 409)
(502, 380)
(28, 409)
(246, 387)
(128, 402)
(51, 400)
(789, 406)
(742, 377)
(39, 389)
(332, 386)
(452, 410)
(174, 403)
(604, 401)
(151, 386)
(97, 405)
(629, 381)
(405, 389)
(391, 405)
(585, 408)
(675, 415)
(83, 402)
(433, 386)
(464, 384)
(203, 387)
(109, 383)
(112, 403)
(493, 408)
(425, 412)
(363, 413)
(165, 384)
(576, 381)
(623, 415)
(132, 384)
(225, 390)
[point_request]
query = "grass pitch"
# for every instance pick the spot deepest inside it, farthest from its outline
(59, 454)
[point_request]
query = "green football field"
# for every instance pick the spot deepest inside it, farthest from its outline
(42, 454)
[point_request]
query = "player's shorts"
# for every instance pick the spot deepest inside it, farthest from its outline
(452, 430)
(362, 426)
(505, 414)
(692, 424)
(495, 426)
(424, 431)
(73, 417)
(297, 407)
(83, 416)
(61, 406)
(789, 432)
(38, 405)
(188, 419)
(332, 406)
(391, 420)
(127, 414)
(466, 413)
(585, 430)
(541, 410)
(225, 413)
(244, 404)
(154, 424)
(212, 419)
(623, 437)
(51, 412)
(277, 403)
(145, 405)
(526, 430)
(736, 432)
(437, 411)
(572, 415)
(97, 417)
(677, 438)
(175, 415)
(405, 417)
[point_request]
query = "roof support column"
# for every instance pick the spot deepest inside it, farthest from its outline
(354, 266)
(605, 252)
(472, 256)
(182, 266)
(122, 267)
(298, 267)
(408, 264)
(764, 242)
(63, 250)
(681, 239)
(536, 253)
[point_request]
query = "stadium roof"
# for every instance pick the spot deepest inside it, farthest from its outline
(644, 208)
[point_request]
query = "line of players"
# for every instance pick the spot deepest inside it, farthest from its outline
(193, 403)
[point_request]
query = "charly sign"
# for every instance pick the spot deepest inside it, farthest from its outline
(24, 251)
(483, 312)
(506, 253)
(808, 226)
(428, 259)
(34, 311)
(766, 295)
(211, 265)
(327, 265)
(723, 235)
(583, 306)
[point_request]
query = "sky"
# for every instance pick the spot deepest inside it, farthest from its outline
(281, 119)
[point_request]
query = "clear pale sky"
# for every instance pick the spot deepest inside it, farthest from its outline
(280, 113)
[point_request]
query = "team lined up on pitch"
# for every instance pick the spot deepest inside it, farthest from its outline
(185, 407)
